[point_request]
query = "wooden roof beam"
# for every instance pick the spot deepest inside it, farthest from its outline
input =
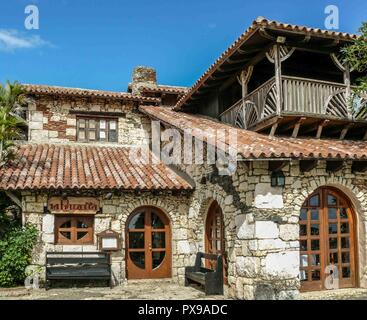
(277, 165)
(359, 166)
(334, 165)
(297, 127)
(320, 128)
(345, 131)
(307, 165)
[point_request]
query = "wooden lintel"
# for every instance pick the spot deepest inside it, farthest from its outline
(320, 128)
(334, 165)
(307, 165)
(359, 166)
(297, 127)
(345, 131)
(277, 165)
(14, 198)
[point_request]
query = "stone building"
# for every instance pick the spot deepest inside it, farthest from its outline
(292, 204)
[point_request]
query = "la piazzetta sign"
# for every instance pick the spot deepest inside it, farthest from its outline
(58, 205)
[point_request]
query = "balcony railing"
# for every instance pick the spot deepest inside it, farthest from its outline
(306, 97)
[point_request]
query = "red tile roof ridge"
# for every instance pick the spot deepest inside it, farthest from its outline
(255, 145)
(48, 89)
(69, 166)
(258, 23)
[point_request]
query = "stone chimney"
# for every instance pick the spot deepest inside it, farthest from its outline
(143, 77)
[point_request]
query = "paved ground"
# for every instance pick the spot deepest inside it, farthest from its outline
(342, 294)
(156, 290)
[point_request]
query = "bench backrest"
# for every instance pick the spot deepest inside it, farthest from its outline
(208, 256)
(60, 258)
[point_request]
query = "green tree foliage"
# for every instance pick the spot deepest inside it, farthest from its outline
(16, 242)
(11, 103)
(356, 55)
(9, 214)
(15, 254)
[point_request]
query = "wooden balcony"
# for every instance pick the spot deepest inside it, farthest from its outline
(307, 102)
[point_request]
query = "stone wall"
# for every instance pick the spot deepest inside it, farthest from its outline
(115, 214)
(261, 222)
(51, 120)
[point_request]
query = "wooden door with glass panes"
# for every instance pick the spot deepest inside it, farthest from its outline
(327, 238)
(148, 244)
(214, 237)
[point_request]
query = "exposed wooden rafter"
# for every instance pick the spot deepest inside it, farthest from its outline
(277, 165)
(320, 128)
(297, 127)
(359, 166)
(334, 165)
(307, 165)
(345, 130)
(14, 198)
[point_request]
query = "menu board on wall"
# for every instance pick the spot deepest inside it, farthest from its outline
(73, 205)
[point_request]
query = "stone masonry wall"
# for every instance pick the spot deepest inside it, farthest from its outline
(50, 120)
(261, 222)
(115, 214)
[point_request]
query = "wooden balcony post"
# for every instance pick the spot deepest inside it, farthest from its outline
(278, 77)
(348, 93)
(245, 79)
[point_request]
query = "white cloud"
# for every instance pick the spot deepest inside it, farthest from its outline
(11, 40)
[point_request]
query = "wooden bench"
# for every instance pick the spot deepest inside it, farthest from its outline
(78, 266)
(211, 279)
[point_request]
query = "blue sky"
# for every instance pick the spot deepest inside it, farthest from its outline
(96, 43)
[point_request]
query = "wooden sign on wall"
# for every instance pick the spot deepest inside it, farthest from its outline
(71, 205)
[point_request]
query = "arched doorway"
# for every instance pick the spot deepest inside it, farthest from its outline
(148, 244)
(214, 235)
(327, 236)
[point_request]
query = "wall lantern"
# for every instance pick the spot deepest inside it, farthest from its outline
(109, 240)
(277, 179)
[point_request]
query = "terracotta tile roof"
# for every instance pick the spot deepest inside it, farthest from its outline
(261, 22)
(45, 166)
(165, 89)
(252, 145)
(77, 92)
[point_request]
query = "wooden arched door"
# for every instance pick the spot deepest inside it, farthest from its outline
(327, 237)
(148, 244)
(214, 235)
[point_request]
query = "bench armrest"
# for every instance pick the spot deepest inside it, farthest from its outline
(190, 269)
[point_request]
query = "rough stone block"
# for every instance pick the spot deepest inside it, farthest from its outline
(183, 247)
(282, 264)
(48, 223)
(289, 232)
(247, 266)
(268, 197)
(266, 230)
